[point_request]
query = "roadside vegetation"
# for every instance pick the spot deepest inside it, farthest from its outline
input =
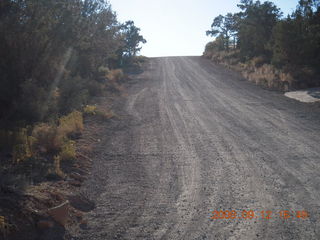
(276, 51)
(56, 57)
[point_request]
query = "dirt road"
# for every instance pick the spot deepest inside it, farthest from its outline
(196, 139)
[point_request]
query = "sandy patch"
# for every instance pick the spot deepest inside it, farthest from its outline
(307, 95)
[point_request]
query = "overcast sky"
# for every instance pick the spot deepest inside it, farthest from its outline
(177, 27)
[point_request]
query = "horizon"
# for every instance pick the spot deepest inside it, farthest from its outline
(180, 25)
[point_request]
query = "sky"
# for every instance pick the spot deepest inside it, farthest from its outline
(177, 27)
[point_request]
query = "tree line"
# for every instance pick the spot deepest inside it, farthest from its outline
(260, 30)
(55, 55)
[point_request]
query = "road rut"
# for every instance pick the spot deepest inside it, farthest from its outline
(199, 139)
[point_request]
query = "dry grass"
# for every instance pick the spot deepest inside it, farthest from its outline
(103, 70)
(46, 138)
(115, 75)
(50, 138)
(99, 113)
(256, 70)
(68, 151)
(90, 110)
(71, 125)
(258, 61)
(105, 114)
(268, 76)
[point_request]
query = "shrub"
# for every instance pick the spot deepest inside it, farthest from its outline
(71, 125)
(105, 115)
(95, 88)
(6, 140)
(33, 101)
(89, 110)
(115, 75)
(140, 59)
(94, 111)
(51, 139)
(258, 61)
(74, 92)
(68, 151)
(103, 70)
(23, 147)
(17, 142)
(46, 138)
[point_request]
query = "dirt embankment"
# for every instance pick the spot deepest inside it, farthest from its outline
(53, 208)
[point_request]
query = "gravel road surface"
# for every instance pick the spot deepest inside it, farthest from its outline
(195, 138)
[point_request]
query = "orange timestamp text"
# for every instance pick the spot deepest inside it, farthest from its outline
(251, 214)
